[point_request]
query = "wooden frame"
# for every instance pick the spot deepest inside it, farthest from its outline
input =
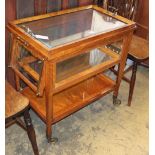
(54, 103)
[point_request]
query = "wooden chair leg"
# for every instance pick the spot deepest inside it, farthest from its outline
(132, 83)
(31, 132)
(20, 123)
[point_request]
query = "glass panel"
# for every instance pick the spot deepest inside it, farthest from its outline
(30, 66)
(80, 63)
(58, 30)
(116, 46)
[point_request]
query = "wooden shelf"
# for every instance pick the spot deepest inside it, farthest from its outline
(72, 99)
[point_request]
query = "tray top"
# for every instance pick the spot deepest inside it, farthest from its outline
(58, 30)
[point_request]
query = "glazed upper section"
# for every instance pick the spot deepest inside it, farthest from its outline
(70, 27)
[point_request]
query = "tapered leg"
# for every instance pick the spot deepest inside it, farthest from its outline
(123, 55)
(116, 101)
(132, 83)
(49, 70)
(50, 139)
(31, 132)
(48, 132)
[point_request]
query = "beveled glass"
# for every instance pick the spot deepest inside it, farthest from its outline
(29, 65)
(66, 28)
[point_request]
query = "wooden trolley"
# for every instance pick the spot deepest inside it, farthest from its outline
(61, 56)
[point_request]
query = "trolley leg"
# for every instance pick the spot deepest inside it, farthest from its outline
(123, 55)
(116, 101)
(50, 139)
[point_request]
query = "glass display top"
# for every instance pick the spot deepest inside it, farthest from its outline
(66, 28)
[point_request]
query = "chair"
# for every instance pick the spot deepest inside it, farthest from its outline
(139, 50)
(17, 105)
(138, 53)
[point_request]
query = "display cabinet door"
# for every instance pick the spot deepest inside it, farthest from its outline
(28, 68)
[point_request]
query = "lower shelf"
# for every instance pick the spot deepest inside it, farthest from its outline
(72, 99)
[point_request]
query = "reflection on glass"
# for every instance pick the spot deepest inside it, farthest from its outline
(80, 63)
(116, 46)
(30, 66)
(58, 30)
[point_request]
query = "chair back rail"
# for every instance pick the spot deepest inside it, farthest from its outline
(126, 8)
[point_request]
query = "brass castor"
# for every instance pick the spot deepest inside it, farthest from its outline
(52, 140)
(116, 101)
